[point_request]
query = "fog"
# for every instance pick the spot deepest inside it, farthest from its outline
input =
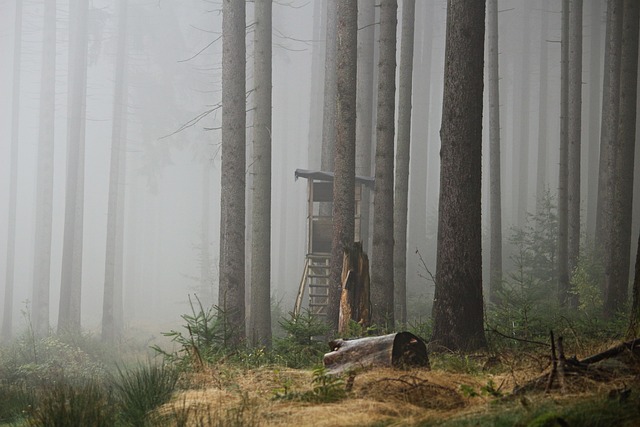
(172, 144)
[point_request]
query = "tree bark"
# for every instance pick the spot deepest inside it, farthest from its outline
(609, 134)
(232, 200)
(397, 350)
(624, 163)
(382, 286)
(495, 263)
(575, 140)
(261, 223)
(403, 150)
(595, 108)
(345, 151)
(458, 306)
(355, 298)
(71, 284)
(563, 178)
(330, 91)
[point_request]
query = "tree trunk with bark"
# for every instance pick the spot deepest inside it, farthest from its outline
(575, 139)
(563, 178)
(382, 287)
(232, 200)
(609, 135)
(345, 151)
(624, 164)
(401, 196)
(495, 263)
(458, 311)
(261, 235)
(329, 110)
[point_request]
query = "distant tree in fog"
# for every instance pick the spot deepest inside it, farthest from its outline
(618, 279)
(542, 180)
(7, 316)
(495, 254)
(458, 304)
(44, 180)
(364, 109)
(112, 310)
(563, 180)
(575, 140)
(345, 150)
(382, 287)
(403, 149)
(71, 284)
(260, 326)
(232, 200)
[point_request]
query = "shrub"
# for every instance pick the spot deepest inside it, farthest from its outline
(304, 345)
(64, 404)
(141, 390)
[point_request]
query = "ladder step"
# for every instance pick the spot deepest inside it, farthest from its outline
(318, 295)
(318, 285)
(318, 276)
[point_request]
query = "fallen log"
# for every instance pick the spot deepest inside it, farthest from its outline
(402, 349)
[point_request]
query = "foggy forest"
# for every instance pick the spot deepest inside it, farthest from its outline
(177, 189)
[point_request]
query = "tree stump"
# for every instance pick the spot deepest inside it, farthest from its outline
(402, 349)
(354, 300)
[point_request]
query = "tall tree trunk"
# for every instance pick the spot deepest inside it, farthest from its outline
(419, 161)
(624, 163)
(608, 136)
(458, 305)
(575, 128)
(401, 195)
(495, 263)
(345, 150)
(232, 203)
(261, 240)
(542, 169)
(7, 316)
(317, 83)
(382, 287)
(112, 312)
(364, 109)
(71, 284)
(595, 108)
(44, 185)
(329, 111)
(524, 140)
(563, 179)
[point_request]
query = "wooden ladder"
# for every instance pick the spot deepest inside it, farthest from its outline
(315, 278)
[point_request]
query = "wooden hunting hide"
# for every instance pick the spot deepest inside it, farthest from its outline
(354, 300)
(402, 349)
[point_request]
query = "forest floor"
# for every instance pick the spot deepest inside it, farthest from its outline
(458, 390)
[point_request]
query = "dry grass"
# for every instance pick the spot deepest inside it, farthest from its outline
(227, 395)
